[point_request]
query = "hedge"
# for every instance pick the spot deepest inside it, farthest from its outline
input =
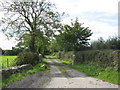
(105, 58)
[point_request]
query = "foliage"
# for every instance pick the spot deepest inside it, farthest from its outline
(1, 51)
(42, 44)
(17, 76)
(111, 43)
(54, 46)
(67, 56)
(27, 58)
(103, 58)
(74, 37)
(99, 44)
(13, 52)
(34, 19)
(8, 52)
(3, 61)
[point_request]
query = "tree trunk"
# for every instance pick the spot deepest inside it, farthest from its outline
(32, 43)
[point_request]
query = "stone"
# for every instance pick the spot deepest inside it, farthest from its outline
(40, 58)
(15, 69)
(44, 66)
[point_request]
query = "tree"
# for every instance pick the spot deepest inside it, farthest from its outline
(1, 51)
(74, 37)
(42, 44)
(30, 18)
(54, 46)
(110, 43)
(113, 43)
(99, 44)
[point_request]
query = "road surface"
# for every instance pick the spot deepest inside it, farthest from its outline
(56, 78)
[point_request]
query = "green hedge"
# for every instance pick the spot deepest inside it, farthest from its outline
(104, 58)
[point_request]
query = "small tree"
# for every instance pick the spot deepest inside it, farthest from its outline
(74, 37)
(113, 43)
(99, 44)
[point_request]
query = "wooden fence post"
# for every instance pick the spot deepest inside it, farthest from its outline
(7, 63)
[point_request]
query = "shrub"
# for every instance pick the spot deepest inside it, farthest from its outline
(27, 58)
(67, 56)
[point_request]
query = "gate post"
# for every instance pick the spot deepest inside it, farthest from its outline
(40, 57)
(73, 60)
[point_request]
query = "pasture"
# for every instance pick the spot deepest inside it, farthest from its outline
(7, 61)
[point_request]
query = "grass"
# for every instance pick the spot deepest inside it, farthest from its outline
(4, 63)
(91, 69)
(23, 74)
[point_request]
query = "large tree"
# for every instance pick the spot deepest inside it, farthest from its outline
(74, 37)
(34, 18)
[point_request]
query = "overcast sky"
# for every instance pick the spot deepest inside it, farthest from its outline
(101, 16)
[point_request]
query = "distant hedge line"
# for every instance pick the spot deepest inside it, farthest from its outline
(104, 58)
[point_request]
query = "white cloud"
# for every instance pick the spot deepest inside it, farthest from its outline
(100, 29)
(5, 43)
(79, 6)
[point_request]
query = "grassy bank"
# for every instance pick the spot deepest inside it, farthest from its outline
(93, 70)
(17, 76)
(4, 62)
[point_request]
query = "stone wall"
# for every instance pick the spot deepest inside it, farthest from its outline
(103, 58)
(16, 69)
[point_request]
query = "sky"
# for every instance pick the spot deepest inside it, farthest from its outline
(101, 16)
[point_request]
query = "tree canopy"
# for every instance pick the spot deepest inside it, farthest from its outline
(74, 37)
(34, 19)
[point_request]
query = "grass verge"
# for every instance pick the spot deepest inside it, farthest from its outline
(23, 74)
(91, 69)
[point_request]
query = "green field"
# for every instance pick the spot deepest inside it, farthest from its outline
(4, 63)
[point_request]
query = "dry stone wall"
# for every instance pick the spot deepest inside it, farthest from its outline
(16, 69)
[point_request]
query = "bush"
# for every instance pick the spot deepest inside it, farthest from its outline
(27, 58)
(67, 56)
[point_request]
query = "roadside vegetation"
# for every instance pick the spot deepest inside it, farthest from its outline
(37, 27)
(93, 70)
(99, 59)
(25, 73)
